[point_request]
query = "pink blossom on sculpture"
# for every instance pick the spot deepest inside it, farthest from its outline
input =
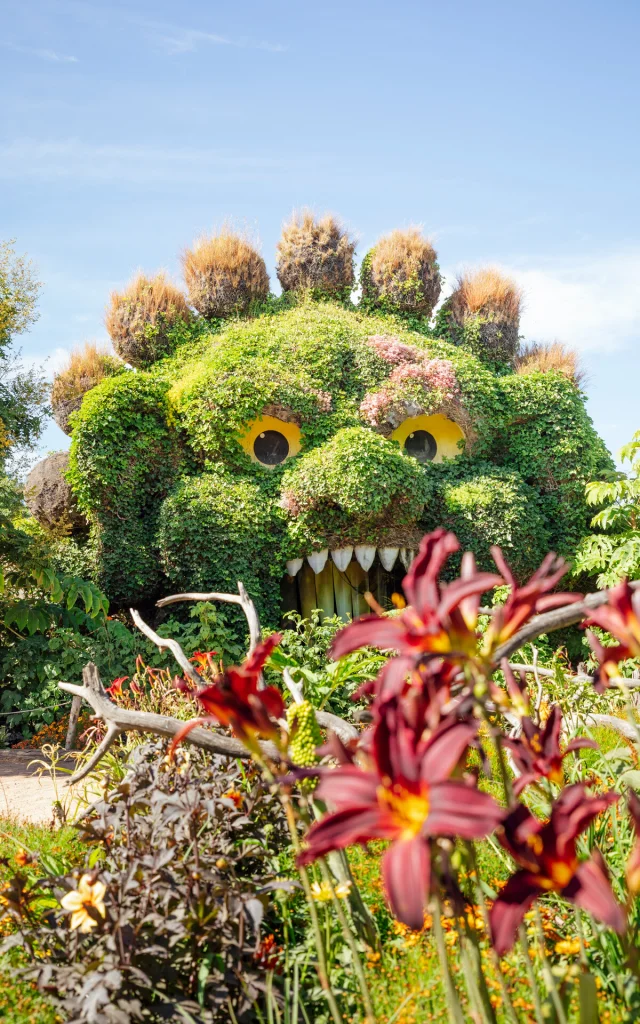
(323, 399)
(392, 350)
(290, 503)
(435, 377)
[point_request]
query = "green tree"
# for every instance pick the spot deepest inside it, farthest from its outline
(614, 551)
(23, 392)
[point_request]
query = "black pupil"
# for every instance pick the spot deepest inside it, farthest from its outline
(421, 445)
(271, 447)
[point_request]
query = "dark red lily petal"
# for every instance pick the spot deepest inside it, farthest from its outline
(523, 781)
(550, 601)
(509, 909)
(582, 743)
(461, 589)
(255, 662)
(445, 748)
(344, 828)
(457, 809)
(421, 582)
(184, 732)
(591, 890)
(368, 631)
(347, 786)
(406, 868)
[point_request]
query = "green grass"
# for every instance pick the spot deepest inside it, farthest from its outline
(58, 850)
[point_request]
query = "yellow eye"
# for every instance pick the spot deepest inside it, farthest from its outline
(429, 438)
(270, 441)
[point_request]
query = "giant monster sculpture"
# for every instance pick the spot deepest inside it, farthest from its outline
(304, 444)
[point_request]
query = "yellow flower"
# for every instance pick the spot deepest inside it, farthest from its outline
(88, 895)
(567, 947)
(323, 892)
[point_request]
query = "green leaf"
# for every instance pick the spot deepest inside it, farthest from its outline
(588, 1000)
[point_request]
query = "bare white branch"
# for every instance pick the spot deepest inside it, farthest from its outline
(241, 598)
(171, 645)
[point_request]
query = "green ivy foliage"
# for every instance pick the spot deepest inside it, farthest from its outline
(124, 457)
(613, 551)
(175, 502)
(215, 530)
(486, 505)
(355, 489)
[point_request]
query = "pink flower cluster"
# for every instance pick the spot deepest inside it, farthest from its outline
(290, 503)
(430, 375)
(392, 350)
(323, 399)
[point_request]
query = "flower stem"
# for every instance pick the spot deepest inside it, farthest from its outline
(453, 1001)
(551, 985)
(531, 975)
(351, 942)
(495, 959)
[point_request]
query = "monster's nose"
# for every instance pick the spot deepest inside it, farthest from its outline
(357, 495)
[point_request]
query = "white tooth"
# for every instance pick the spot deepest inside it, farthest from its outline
(388, 557)
(342, 557)
(318, 560)
(294, 565)
(407, 556)
(365, 553)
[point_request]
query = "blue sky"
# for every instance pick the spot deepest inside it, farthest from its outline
(509, 131)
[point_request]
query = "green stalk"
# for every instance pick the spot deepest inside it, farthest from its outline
(351, 942)
(551, 984)
(451, 994)
(495, 959)
(482, 1006)
(531, 975)
(315, 924)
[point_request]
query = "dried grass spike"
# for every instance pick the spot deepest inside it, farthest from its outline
(538, 358)
(315, 256)
(484, 312)
(86, 368)
(401, 273)
(225, 275)
(139, 318)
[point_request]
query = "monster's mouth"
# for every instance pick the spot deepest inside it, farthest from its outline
(335, 579)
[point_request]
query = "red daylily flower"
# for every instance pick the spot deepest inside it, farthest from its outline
(621, 617)
(116, 686)
(435, 633)
(408, 797)
(548, 862)
(235, 700)
(525, 601)
(633, 864)
(537, 753)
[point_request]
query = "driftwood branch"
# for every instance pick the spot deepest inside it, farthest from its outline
(119, 720)
(170, 645)
(558, 618)
(241, 598)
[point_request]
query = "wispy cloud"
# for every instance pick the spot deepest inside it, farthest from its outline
(175, 40)
(41, 53)
(589, 302)
(140, 164)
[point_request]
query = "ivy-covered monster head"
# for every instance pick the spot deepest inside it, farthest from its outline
(305, 445)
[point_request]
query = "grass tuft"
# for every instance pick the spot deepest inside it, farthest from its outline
(537, 358)
(225, 274)
(86, 367)
(315, 255)
(138, 318)
(486, 291)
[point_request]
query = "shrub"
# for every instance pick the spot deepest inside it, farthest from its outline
(86, 368)
(182, 852)
(224, 274)
(401, 274)
(357, 488)
(483, 313)
(315, 256)
(537, 358)
(139, 319)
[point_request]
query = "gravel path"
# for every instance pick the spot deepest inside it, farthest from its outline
(23, 794)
